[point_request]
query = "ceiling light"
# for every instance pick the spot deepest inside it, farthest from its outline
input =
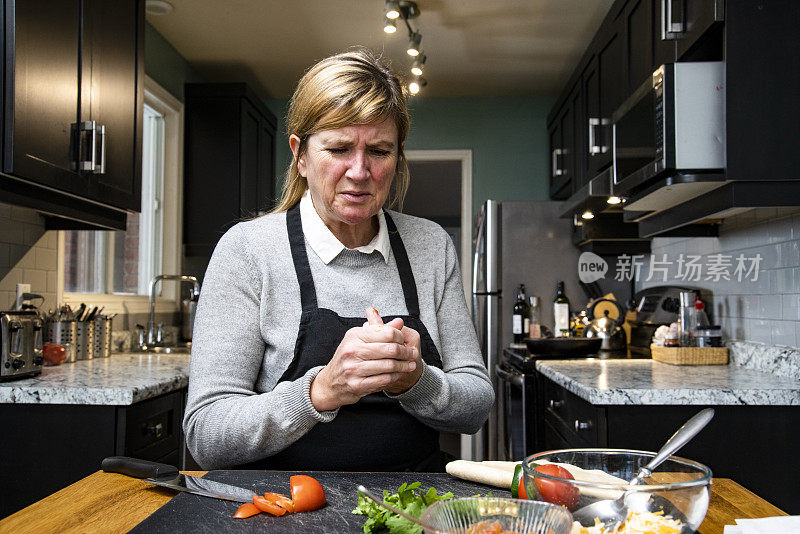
(587, 215)
(416, 67)
(158, 7)
(413, 44)
(614, 199)
(392, 9)
(389, 26)
(416, 84)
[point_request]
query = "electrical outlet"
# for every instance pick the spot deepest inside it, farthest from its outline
(21, 288)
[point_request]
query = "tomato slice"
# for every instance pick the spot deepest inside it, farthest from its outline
(560, 493)
(265, 506)
(307, 493)
(246, 510)
(281, 500)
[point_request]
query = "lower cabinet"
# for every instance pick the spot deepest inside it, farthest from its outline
(755, 446)
(46, 447)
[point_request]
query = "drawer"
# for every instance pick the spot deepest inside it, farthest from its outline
(151, 429)
(577, 420)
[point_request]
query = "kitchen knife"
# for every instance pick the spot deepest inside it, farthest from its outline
(168, 477)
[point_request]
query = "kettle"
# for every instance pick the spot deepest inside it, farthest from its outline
(606, 328)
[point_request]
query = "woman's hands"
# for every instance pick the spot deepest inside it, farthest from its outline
(370, 358)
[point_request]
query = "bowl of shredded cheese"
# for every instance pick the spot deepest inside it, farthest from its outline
(673, 500)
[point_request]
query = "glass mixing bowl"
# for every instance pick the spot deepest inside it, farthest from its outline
(678, 488)
(453, 516)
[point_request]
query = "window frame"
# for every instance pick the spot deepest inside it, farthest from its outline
(171, 249)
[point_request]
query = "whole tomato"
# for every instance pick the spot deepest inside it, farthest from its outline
(556, 492)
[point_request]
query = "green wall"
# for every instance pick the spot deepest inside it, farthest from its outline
(165, 65)
(507, 136)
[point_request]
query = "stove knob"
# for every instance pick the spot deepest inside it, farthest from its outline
(582, 425)
(555, 405)
(17, 364)
(38, 360)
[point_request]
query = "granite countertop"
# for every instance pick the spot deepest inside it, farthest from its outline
(121, 379)
(616, 382)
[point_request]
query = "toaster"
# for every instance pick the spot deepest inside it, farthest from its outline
(20, 344)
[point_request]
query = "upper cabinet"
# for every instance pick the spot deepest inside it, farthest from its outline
(74, 73)
(756, 41)
(230, 164)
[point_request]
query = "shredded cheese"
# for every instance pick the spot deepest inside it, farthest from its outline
(635, 523)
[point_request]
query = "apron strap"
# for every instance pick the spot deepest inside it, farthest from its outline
(297, 241)
(403, 267)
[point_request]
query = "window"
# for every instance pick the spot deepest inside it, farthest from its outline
(114, 268)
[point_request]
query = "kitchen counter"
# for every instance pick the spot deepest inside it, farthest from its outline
(106, 502)
(122, 379)
(647, 382)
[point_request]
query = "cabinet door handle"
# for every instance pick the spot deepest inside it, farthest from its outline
(91, 164)
(156, 430)
(556, 404)
(670, 28)
(596, 147)
(101, 168)
(582, 425)
(556, 170)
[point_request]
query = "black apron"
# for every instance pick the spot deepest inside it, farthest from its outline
(376, 433)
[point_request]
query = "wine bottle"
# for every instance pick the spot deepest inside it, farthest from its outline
(561, 312)
(519, 316)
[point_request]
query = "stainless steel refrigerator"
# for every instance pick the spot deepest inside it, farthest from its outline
(515, 243)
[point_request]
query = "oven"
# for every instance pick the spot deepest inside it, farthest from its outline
(521, 402)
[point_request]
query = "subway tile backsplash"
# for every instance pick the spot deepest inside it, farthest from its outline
(28, 254)
(765, 309)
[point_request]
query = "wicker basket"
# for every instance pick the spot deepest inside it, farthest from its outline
(690, 355)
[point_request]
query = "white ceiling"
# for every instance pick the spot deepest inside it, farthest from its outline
(474, 47)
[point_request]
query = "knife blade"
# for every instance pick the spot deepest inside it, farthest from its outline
(168, 476)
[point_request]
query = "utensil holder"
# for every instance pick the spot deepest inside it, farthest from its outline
(64, 333)
(102, 336)
(85, 337)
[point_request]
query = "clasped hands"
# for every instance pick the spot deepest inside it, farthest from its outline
(373, 357)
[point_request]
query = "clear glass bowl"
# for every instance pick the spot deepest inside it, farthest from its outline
(678, 487)
(457, 515)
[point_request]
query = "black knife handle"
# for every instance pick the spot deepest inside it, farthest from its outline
(134, 467)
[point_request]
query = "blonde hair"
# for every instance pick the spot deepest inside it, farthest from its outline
(351, 88)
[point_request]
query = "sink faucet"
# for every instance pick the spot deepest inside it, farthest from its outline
(152, 338)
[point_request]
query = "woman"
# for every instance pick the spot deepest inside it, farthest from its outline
(285, 372)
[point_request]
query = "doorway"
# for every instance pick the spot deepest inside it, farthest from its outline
(441, 190)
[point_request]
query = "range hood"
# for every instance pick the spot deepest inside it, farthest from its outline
(731, 198)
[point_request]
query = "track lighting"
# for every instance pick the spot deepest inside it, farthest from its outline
(416, 67)
(392, 9)
(406, 10)
(414, 41)
(416, 84)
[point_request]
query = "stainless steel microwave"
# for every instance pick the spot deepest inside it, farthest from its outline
(673, 123)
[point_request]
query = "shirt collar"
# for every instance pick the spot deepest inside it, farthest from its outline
(326, 245)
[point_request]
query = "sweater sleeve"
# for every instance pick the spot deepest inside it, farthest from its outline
(458, 397)
(226, 421)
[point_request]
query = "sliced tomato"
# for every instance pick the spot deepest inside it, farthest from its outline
(556, 492)
(307, 493)
(281, 500)
(265, 506)
(246, 510)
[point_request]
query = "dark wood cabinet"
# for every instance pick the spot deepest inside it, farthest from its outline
(49, 446)
(572, 422)
(73, 91)
(229, 154)
(696, 27)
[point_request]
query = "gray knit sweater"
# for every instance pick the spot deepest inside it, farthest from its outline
(247, 323)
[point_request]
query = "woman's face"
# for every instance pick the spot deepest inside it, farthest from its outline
(349, 171)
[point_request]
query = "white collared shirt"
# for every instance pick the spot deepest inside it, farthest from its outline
(326, 245)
